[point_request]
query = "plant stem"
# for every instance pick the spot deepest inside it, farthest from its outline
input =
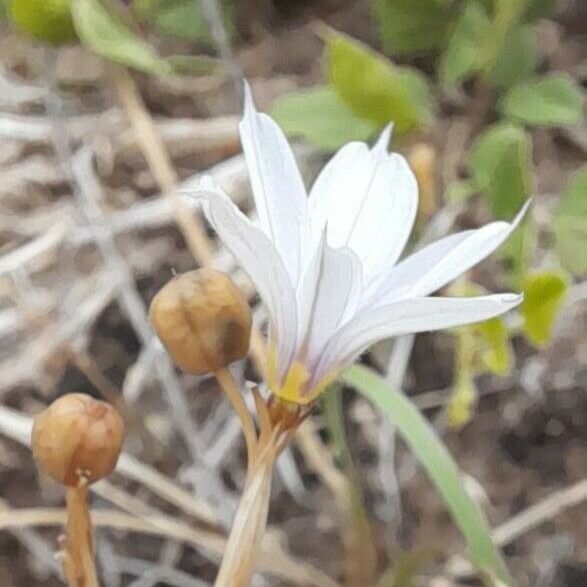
(78, 549)
(250, 521)
(277, 423)
(230, 388)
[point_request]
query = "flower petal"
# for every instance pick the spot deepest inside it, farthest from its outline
(407, 316)
(432, 267)
(328, 296)
(258, 257)
(369, 199)
(278, 189)
(381, 146)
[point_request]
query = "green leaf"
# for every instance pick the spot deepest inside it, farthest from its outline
(517, 250)
(504, 23)
(436, 460)
(375, 89)
(517, 58)
(496, 352)
(554, 100)
(45, 20)
(410, 27)
(462, 400)
(459, 191)
(319, 116)
(544, 294)
(536, 9)
(570, 224)
(106, 35)
(181, 19)
(465, 53)
(500, 168)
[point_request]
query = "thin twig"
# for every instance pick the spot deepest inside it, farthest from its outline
(274, 562)
(540, 512)
(18, 427)
(528, 519)
(160, 164)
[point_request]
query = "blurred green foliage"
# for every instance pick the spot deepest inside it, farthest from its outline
(365, 92)
(495, 348)
(544, 294)
(570, 224)
(110, 30)
(408, 27)
(553, 100)
(486, 61)
(107, 35)
(500, 167)
(465, 51)
(319, 115)
(45, 20)
(180, 19)
(375, 89)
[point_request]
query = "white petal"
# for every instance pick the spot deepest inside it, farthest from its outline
(408, 316)
(256, 254)
(328, 296)
(381, 146)
(432, 267)
(278, 189)
(368, 199)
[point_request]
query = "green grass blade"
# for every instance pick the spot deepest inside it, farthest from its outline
(432, 454)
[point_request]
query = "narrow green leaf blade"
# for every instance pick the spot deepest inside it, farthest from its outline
(319, 116)
(375, 89)
(554, 100)
(103, 33)
(544, 295)
(435, 458)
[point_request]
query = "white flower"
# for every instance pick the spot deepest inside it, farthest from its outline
(326, 264)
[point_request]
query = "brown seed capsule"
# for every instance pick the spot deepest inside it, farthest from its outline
(203, 320)
(76, 436)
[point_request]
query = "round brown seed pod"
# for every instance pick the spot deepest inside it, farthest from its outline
(203, 319)
(77, 436)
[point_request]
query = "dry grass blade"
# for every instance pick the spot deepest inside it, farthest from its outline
(274, 563)
(18, 427)
(527, 520)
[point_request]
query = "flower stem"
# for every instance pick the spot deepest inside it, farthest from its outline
(277, 423)
(250, 521)
(78, 549)
(230, 388)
